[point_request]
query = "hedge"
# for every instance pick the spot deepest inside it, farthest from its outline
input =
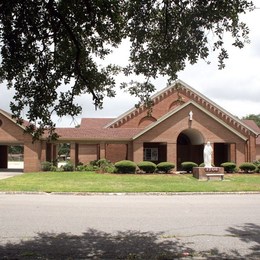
(229, 166)
(165, 166)
(125, 166)
(146, 166)
(247, 167)
(187, 166)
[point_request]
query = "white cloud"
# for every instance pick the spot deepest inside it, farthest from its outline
(236, 88)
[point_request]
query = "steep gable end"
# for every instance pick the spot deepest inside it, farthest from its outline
(172, 97)
(10, 131)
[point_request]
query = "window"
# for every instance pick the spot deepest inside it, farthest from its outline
(150, 154)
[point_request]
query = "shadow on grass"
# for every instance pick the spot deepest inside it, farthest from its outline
(94, 244)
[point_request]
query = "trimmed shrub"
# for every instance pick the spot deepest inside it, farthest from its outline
(47, 166)
(146, 166)
(68, 167)
(165, 166)
(247, 167)
(187, 166)
(125, 166)
(229, 167)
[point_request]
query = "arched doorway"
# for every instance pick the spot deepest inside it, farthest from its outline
(11, 157)
(190, 144)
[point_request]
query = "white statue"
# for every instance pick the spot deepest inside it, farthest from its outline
(190, 115)
(207, 153)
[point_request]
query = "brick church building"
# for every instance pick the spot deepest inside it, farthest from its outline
(182, 121)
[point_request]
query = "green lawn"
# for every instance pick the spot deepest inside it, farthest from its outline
(95, 182)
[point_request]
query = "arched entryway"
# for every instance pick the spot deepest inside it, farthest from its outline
(190, 144)
(11, 157)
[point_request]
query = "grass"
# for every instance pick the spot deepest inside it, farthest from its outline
(94, 182)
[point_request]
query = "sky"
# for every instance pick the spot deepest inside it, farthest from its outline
(236, 88)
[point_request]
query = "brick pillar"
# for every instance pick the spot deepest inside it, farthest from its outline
(138, 152)
(32, 156)
(43, 152)
(74, 153)
(252, 149)
(130, 151)
(172, 153)
(232, 152)
(102, 150)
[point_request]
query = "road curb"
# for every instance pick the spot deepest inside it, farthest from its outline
(126, 193)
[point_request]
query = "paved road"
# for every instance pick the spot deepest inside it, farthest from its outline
(129, 226)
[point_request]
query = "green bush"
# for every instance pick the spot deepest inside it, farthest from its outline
(91, 168)
(257, 164)
(105, 166)
(247, 167)
(146, 166)
(187, 166)
(93, 163)
(68, 167)
(229, 167)
(47, 166)
(81, 168)
(125, 166)
(165, 166)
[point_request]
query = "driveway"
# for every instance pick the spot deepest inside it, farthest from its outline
(8, 173)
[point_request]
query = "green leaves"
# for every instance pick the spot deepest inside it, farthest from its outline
(50, 49)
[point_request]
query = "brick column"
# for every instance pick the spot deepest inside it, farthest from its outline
(130, 151)
(171, 153)
(102, 150)
(232, 148)
(74, 153)
(252, 149)
(32, 157)
(43, 152)
(138, 153)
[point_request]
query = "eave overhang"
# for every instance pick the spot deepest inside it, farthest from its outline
(179, 108)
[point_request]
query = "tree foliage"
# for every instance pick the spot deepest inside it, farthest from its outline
(254, 117)
(50, 48)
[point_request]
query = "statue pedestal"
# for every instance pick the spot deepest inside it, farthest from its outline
(201, 172)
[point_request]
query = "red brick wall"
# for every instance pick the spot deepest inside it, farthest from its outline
(116, 152)
(169, 130)
(10, 133)
(87, 153)
(160, 108)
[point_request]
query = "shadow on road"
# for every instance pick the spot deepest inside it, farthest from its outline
(94, 244)
(249, 233)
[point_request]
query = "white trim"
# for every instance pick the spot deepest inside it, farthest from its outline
(7, 115)
(185, 85)
(180, 108)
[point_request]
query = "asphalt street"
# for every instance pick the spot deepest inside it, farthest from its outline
(48, 226)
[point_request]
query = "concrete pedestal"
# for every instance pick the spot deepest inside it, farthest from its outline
(201, 172)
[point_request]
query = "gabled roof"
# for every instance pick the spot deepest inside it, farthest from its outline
(179, 84)
(94, 122)
(9, 117)
(174, 111)
(252, 124)
(92, 134)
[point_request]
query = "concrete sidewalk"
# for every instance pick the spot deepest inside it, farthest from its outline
(8, 173)
(14, 169)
